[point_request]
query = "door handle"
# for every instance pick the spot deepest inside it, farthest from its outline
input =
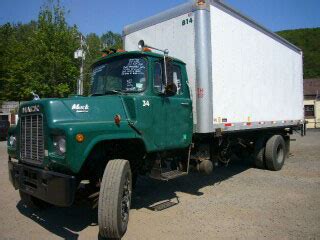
(185, 104)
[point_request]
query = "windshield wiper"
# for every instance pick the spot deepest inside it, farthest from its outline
(108, 92)
(97, 94)
(115, 92)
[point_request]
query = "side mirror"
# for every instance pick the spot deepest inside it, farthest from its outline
(170, 89)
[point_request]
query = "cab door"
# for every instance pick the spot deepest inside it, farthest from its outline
(179, 119)
(159, 127)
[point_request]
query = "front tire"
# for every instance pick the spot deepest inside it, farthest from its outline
(275, 153)
(115, 199)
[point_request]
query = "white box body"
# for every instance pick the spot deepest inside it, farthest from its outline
(241, 75)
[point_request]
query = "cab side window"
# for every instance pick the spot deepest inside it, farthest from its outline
(158, 80)
(174, 76)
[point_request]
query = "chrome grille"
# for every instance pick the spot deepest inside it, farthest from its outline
(31, 139)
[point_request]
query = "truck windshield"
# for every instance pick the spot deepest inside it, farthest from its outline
(123, 75)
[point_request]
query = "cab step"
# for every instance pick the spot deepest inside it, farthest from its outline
(164, 173)
(166, 176)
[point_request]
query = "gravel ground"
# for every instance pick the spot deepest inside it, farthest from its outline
(235, 202)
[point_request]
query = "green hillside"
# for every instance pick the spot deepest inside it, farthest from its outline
(308, 40)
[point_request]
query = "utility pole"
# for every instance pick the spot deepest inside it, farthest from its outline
(80, 53)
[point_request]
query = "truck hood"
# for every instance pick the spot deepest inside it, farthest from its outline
(77, 109)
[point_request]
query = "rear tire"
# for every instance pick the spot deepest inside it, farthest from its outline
(275, 153)
(287, 142)
(259, 154)
(115, 199)
(206, 167)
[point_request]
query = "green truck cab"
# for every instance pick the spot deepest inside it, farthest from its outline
(138, 110)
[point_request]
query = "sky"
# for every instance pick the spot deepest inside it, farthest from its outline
(100, 16)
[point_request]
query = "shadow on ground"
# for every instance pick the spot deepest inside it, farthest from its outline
(67, 222)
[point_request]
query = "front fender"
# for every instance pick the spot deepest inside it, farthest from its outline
(94, 133)
(76, 163)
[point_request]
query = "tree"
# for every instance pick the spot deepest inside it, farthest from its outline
(94, 44)
(309, 41)
(54, 44)
(38, 56)
(14, 62)
(111, 40)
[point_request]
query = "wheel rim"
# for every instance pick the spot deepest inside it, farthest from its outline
(280, 154)
(125, 201)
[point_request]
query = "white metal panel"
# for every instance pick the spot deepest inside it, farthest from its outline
(255, 77)
(171, 35)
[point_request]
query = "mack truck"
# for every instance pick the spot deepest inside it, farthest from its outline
(194, 86)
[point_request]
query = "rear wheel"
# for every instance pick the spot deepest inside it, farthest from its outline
(275, 153)
(259, 153)
(206, 167)
(115, 199)
(287, 142)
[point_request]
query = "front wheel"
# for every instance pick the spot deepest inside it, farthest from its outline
(115, 199)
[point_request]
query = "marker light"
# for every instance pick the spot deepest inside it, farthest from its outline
(80, 137)
(145, 49)
(201, 2)
(117, 119)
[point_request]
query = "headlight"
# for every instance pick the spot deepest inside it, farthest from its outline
(12, 141)
(59, 144)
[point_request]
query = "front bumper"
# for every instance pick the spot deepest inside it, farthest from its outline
(52, 187)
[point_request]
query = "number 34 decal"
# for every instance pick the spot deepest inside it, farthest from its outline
(145, 103)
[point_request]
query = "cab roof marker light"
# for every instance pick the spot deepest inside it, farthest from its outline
(146, 49)
(201, 2)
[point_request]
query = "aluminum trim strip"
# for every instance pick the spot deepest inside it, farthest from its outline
(256, 125)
